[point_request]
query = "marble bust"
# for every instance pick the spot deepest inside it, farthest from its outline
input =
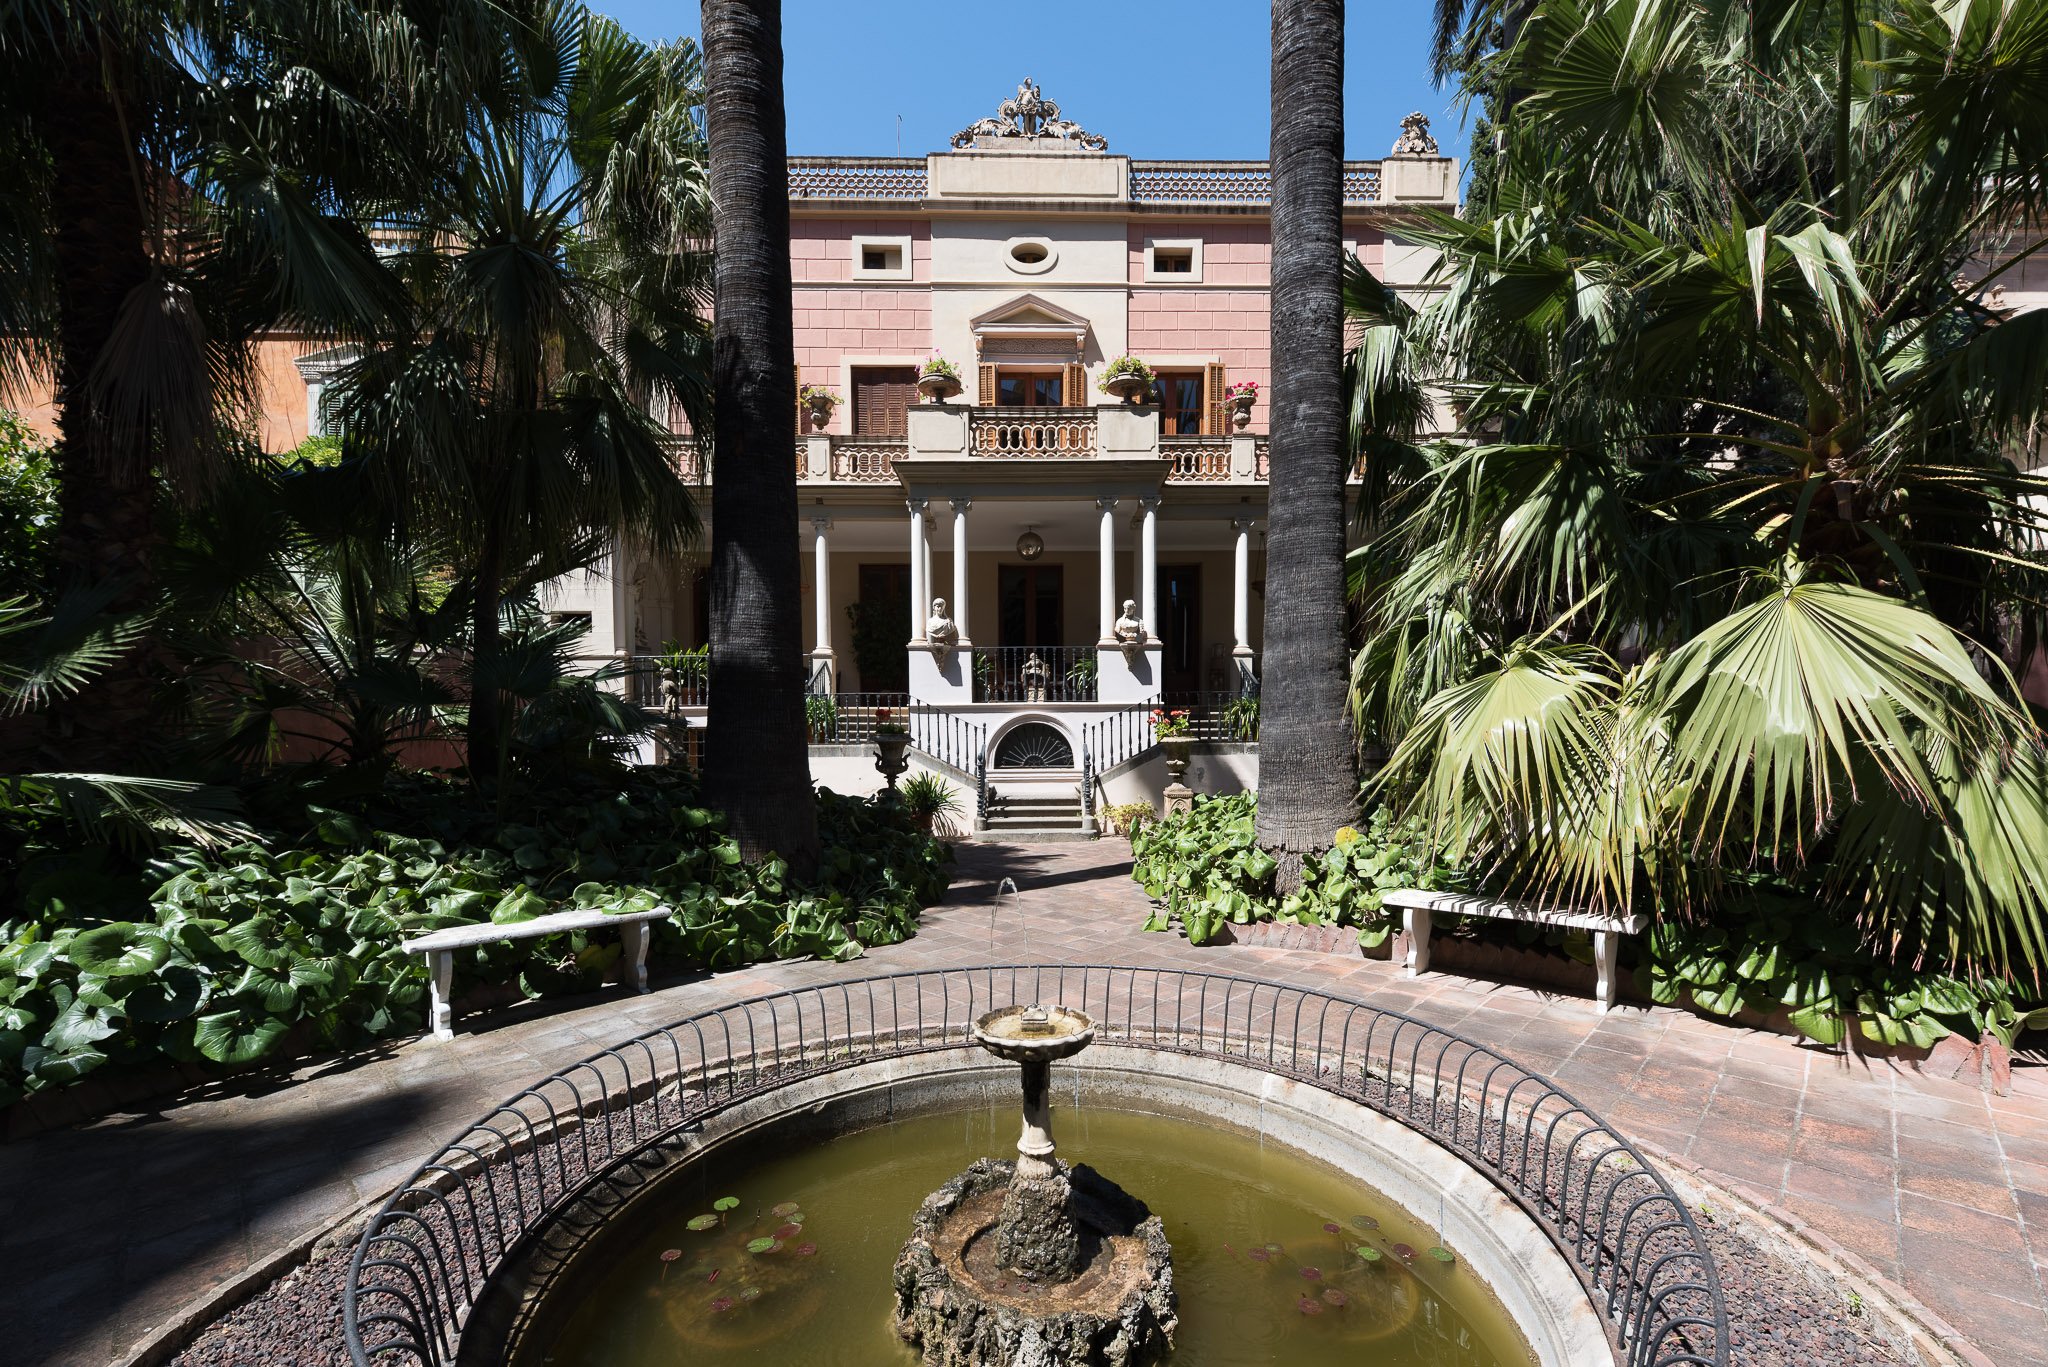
(941, 634)
(1130, 628)
(1130, 631)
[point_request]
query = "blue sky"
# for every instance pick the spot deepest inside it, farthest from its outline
(1187, 79)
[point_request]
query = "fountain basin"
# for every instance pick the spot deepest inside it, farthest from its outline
(1013, 1033)
(890, 1129)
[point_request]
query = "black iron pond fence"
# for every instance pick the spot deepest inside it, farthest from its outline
(428, 1253)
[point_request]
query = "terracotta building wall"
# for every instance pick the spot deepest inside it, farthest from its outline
(280, 395)
(837, 317)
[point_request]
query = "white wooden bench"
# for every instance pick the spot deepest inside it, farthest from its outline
(439, 949)
(1418, 907)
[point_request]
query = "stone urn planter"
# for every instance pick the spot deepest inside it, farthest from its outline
(1126, 388)
(1176, 748)
(1241, 410)
(821, 413)
(937, 387)
(890, 760)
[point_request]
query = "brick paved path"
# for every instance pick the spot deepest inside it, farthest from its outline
(106, 1230)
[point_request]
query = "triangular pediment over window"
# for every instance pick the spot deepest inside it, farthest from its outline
(1028, 316)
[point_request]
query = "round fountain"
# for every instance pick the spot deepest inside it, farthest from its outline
(1036, 1263)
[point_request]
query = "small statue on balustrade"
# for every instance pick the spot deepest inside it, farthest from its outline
(1130, 631)
(941, 634)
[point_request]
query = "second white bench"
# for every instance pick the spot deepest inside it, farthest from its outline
(440, 947)
(1418, 907)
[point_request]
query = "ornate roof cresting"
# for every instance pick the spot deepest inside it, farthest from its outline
(1029, 115)
(1415, 140)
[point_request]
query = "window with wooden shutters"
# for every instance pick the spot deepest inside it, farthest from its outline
(882, 395)
(1214, 423)
(987, 388)
(1183, 411)
(1077, 385)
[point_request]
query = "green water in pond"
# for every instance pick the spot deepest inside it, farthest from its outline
(1265, 1252)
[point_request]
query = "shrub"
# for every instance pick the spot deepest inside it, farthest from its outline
(927, 798)
(225, 956)
(1207, 867)
(1126, 817)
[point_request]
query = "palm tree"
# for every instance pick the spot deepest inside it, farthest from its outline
(757, 760)
(1737, 563)
(555, 284)
(1308, 787)
(184, 181)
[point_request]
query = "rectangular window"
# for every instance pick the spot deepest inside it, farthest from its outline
(1173, 260)
(882, 395)
(1028, 390)
(881, 258)
(1179, 396)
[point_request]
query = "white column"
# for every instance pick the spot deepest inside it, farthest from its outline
(920, 596)
(960, 507)
(1241, 606)
(931, 582)
(820, 559)
(1106, 608)
(1148, 593)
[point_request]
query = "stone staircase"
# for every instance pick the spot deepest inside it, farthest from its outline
(1031, 816)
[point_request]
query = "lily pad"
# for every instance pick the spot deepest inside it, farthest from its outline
(721, 1304)
(1332, 1227)
(785, 1210)
(1369, 1253)
(1404, 1253)
(1365, 1222)
(750, 1293)
(1309, 1305)
(1443, 1255)
(1311, 1274)
(700, 1223)
(764, 1244)
(805, 1250)
(1335, 1296)
(725, 1203)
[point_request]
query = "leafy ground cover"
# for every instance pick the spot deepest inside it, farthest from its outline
(1768, 947)
(290, 942)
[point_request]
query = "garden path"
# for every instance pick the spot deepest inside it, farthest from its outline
(108, 1229)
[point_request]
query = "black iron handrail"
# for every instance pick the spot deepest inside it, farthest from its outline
(428, 1253)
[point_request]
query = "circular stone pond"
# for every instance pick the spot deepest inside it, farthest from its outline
(1277, 1258)
(1304, 1227)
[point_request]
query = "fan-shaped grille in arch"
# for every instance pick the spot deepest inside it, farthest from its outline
(1034, 745)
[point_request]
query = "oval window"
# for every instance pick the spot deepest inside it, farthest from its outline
(1029, 255)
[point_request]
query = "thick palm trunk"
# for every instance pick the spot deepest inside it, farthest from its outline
(483, 737)
(757, 754)
(105, 494)
(1308, 787)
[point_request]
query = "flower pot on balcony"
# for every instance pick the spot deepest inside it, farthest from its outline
(821, 413)
(937, 388)
(1241, 410)
(1126, 388)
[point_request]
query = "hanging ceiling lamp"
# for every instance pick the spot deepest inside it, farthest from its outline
(1030, 545)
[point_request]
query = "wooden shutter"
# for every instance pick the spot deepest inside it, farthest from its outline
(1214, 423)
(988, 386)
(1074, 388)
(882, 396)
(802, 426)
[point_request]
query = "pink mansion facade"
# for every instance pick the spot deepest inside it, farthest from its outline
(1091, 554)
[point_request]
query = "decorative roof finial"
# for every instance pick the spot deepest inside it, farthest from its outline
(1415, 140)
(1029, 115)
